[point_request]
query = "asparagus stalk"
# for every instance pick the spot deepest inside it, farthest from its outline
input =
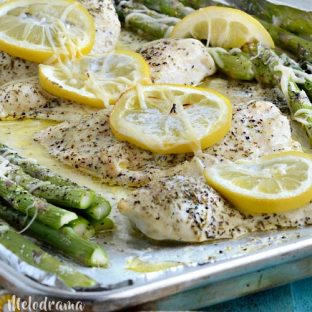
(33, 206)
(236, 65)
(103, 225)
(197, 4)
(30, 253)
(270, 70)
(169, 7)
(301, 48)
(32, 168)
(294, 20)
(307, 84)
(145, 22)
(64, 196)
(100, 209)
(65, 239)
(301, 107)
(82, 227)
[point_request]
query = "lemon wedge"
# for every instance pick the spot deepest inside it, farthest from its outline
(272, 184)
(95, 80)
(43, 30)
(222, 27)
(165, 118)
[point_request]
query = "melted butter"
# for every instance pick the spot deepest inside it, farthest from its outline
(19, 135)
(140, 266)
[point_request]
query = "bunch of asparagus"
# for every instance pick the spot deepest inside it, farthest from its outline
(253, 62)
(30, 253)
(52, 209)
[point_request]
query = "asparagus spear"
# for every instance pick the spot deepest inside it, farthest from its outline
(197, 4)
(30, 253)
(236, 65)
(301, 48)
(64, 196)
(169, 7)
(100, 208)
(143, 21)
(65, 239)
(103, 225)
(270, 70)
(33, 206)
(294, 20)
(307, 84)
(82, 227)
(34, 169)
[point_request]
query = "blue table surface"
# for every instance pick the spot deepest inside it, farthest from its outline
(295, 297)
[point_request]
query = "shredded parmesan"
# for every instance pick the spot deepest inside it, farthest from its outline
(235, 50)
(34, 187)
(303, 116)
(3, 227)
(209, 31)
(287, 76)
(4, 167)
(215, 55)
(32, 219)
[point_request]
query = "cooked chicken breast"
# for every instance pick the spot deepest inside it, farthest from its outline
(106, 22)
(183, 61)
(258, 128)
(25, 98)
(184, 208)
(89, 145)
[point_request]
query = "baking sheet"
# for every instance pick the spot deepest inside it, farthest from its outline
(129, 248)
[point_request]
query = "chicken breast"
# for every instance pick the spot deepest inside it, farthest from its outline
(258, 128)
(182, 61)
(184, 208)
(25, 98)
(106, 22)
(89, 145)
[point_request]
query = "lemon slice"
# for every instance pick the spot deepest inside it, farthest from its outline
(222, 27)
(36, 30)
(272, 184)
(167, 118)
(95, 80)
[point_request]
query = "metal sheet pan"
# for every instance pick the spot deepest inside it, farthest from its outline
(213, 271)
